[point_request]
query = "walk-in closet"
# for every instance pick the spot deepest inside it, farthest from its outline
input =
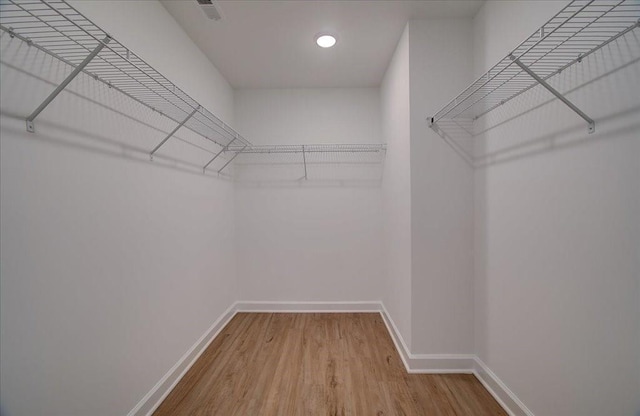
(320, 207)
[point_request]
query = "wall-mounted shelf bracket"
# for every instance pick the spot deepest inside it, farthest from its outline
(580, 29)
(63, 84)
(224, 149)
(431, 122)
(173, 131)
(231, 160)
(304, 160)
(589, 120)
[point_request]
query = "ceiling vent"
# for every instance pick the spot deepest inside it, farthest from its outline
(210, 9)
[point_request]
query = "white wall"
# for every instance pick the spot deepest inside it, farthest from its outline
(309, 240)
(441, 193)
(111, 267)
(308, 115)
(162, 43)
(396, 187)
(557, 216)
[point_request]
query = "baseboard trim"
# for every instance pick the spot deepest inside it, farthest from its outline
(413, 363)
(503, 395)
(161, 390)
(426, 363)
(441, 364)
(310, 307)
(396, 337)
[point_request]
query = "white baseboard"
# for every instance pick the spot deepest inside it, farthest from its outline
(414, 363)
(300, 307)
(455, 364)
(150, 402)
(503, 395)
(441, 364)
(159, 392)
(426, 363)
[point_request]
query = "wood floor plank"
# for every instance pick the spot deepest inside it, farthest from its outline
(317, 364)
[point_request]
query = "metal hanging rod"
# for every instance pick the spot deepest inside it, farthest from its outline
(58, 29)
(578, 30)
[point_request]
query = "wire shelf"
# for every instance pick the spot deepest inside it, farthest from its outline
(578, 30)
(310, 162)
(59, 30)
(310, 148)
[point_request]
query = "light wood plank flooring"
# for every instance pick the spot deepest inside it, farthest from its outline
(317, 364)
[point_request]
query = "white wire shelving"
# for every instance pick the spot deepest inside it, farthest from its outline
(303, 162)
(578, 30)
(59, 30)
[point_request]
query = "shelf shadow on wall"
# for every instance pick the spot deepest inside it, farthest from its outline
(605, 85)
(563, 139)
(314, 183)
(90, 116)
(58, 135)
(321, 169)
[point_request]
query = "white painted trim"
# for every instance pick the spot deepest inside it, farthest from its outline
(159, 392)
(302, 307)
(436, 364)
(150, 402)
(396, 337)
(426, 363)
(503, 395)
(413, 363)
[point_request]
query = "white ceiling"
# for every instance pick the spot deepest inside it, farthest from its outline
(270, 44)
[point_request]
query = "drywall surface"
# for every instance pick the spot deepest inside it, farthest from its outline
(308, 115)
(111, 267)
(557, 218)
(396, 187)
(308, 240)
(166, 47)
(441, 193)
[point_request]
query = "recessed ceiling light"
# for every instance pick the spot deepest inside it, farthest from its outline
(325, 41)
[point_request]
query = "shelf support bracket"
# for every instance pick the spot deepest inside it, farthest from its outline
(304, 160)
(231, 160)
(218, 154)
(589, 120)
(173, 132)
(63, 84)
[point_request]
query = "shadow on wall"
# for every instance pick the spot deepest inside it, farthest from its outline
(90, 116)
(311, 183)
(536, 122)
(82, 140)
(315, 169)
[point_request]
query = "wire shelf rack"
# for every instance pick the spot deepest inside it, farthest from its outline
(578, 30)
(310, 161)
(310, 148)
(61, 31)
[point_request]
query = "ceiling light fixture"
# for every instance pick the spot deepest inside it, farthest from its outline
(325, 41)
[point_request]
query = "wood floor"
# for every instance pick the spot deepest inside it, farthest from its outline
(317, 364)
